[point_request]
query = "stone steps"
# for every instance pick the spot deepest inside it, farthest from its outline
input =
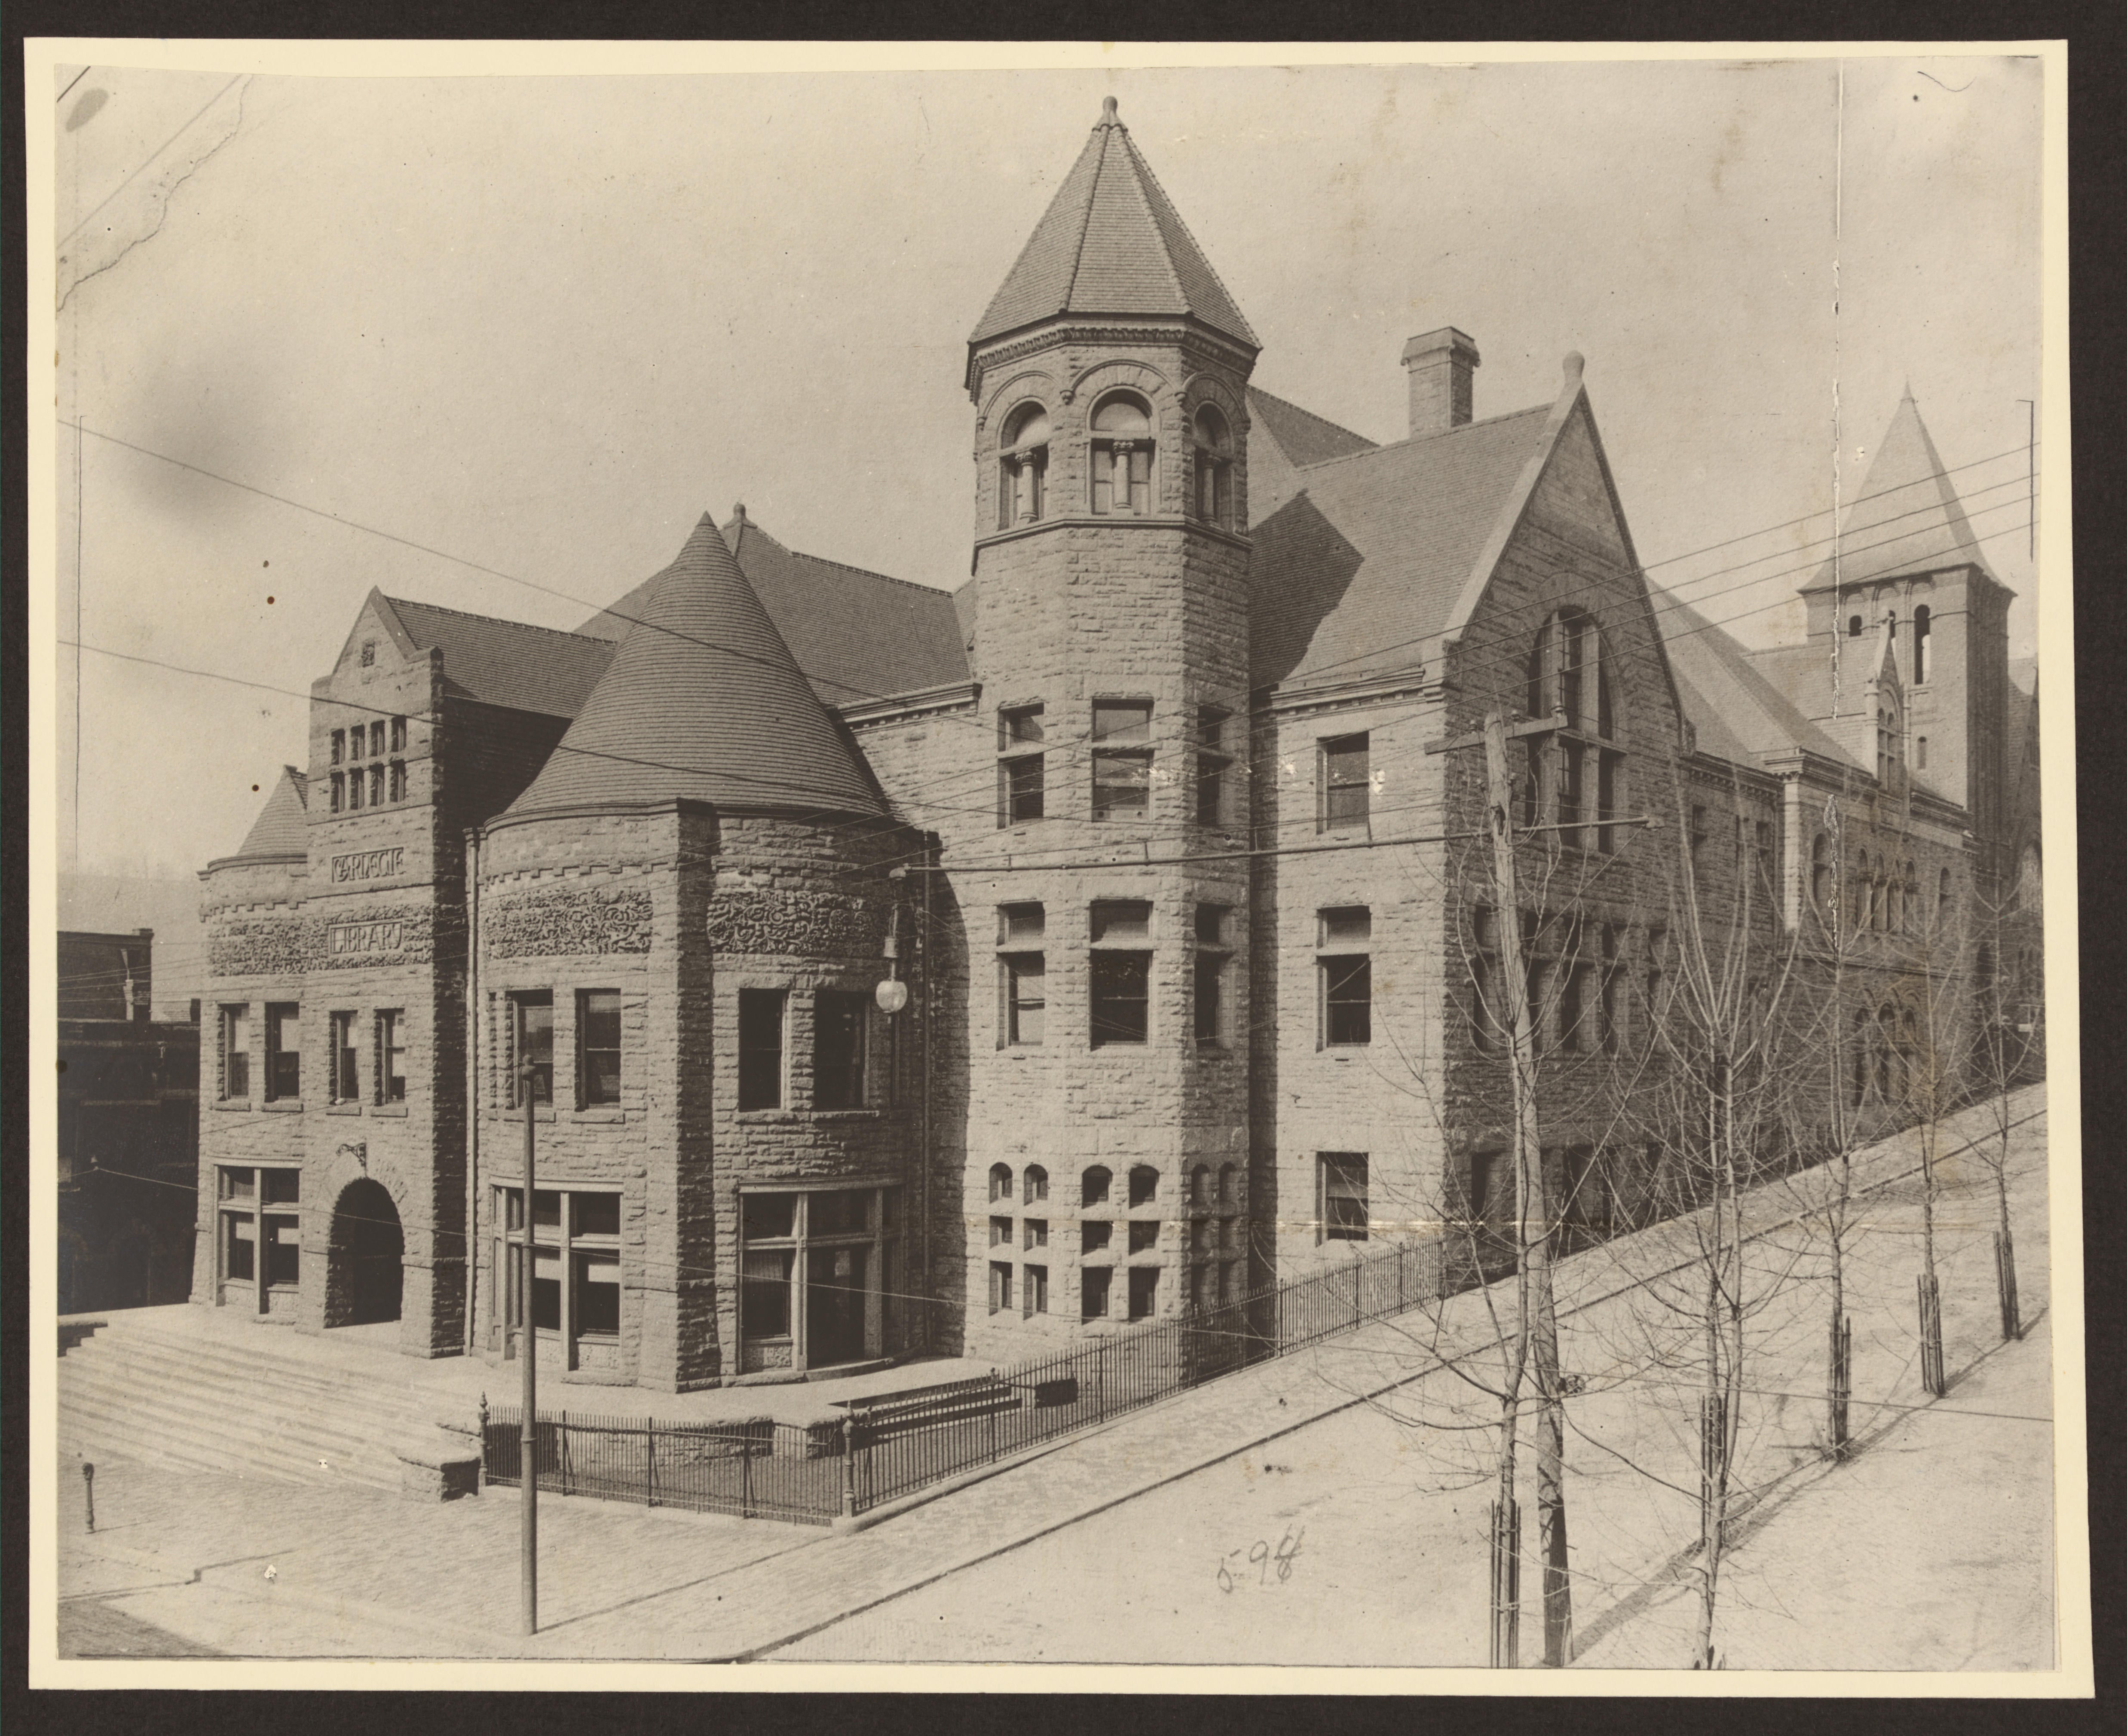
(200, 1403)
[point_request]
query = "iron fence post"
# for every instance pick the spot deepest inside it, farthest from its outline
(89, 1492)
(849, 1467)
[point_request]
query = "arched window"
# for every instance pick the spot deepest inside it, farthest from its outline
(1144, 1184)
(1214, 467)
(1226, 1195)
(1820, 873)
(1000, 1183)
(1036, 1181)
(1853, 627)
(1122, 455)
(1923, 621)
(1093, 1186)
(1199, 1185)
(1023, 466)
(1576, 774)
(1944, 903)
(1859, 912)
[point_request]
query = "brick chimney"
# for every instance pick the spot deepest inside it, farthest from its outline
(1440, 364)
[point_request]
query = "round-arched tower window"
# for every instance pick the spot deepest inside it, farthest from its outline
(1122, 455)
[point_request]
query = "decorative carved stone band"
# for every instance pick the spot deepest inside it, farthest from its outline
(567, 924)
(291, 946)
(792, 923)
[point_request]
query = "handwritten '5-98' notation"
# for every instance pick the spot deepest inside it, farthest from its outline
(1263, 1558)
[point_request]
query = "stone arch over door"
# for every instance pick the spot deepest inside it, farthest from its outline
(365, 1261)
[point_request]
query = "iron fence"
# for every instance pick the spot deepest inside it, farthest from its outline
(753, 1469)
(885, 1447)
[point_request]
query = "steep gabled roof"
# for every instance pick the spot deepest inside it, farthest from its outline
(1737, 713)
(505, 663)
(857, 635)
(282, 827)
(704, 702)
(1111, 242)
(1907, 517)
(1371, 557)
(1303, 436)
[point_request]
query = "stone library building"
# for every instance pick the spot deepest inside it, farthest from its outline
(889, 971)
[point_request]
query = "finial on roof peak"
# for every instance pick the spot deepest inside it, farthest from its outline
(738, 512)
(1575, 363)
(1109, 117)
(1909, 389)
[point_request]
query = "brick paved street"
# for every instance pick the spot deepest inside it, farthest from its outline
(1109, 1546)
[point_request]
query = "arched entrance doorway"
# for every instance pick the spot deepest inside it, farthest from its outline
(362, 1270)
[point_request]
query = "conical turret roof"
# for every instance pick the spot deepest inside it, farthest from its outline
(282, 827)
(1907, 517)
(704, 702)
(1111, 242)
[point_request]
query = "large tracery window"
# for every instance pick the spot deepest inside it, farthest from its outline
(1122, 453)
(1574, 773)
(1214, 468)
(1023, 467)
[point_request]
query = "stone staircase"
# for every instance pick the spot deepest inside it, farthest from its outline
(166, 1387)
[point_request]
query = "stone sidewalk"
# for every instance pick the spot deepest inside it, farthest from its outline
(361, 1575)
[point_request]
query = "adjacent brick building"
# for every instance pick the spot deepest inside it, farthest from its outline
(903, 972)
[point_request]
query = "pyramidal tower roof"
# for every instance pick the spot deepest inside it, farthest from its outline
(282, 827)
(703, 701)
(1907, 517)
(1111, 242)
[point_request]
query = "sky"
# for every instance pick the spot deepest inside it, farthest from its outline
(517, 334)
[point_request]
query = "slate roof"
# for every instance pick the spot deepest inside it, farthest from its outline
(1907, 517)
(1374, 553)
(858, 636)
(703, 701)
(1111, 242)
(1303, 436)
(506, 663)
(1739, 714)
(282, 827)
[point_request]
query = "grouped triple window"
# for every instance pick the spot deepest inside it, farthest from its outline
(1573, 775)
(363, 776)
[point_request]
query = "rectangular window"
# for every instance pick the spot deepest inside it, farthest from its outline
(1210, 998)
(1037, 1232)
(338, 791)
(398, 780)
(1121, 918)
(240, 1260)
(1347, 785)
(1573, 1031)
(1347, 925)
(1120, 997)
(1144, 1291)
(376, 737)
(1095, 1236)
(283, 1252)
(761, 1048)
(354, 788)
(1572, 759)
(597, 1299)
(839, 1022)
(284, 1052)
(1344, 1211)
(338, 746)
(1122, 769)
(1000, 1285)
(391, 1057)
(340, 1063)
(1143, 1235)
(598, 1047)
(1698, 832)
(376, 784)
(764, 1292)
(1035, 1289)
(1093, 1292)
(1021, 925)
(236, 1053)
(1348, 1001)
(1536, 757)
(1000, 1232)
(1211, 765)
(1019, 777)
(532, 1028)
(1608, 764)
(1212, 924)
(398, 735)
(1025, 997)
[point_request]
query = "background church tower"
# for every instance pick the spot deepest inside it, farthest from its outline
(1109, 634)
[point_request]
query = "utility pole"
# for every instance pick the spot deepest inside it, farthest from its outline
(527, 1352)
(1532, 1207)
